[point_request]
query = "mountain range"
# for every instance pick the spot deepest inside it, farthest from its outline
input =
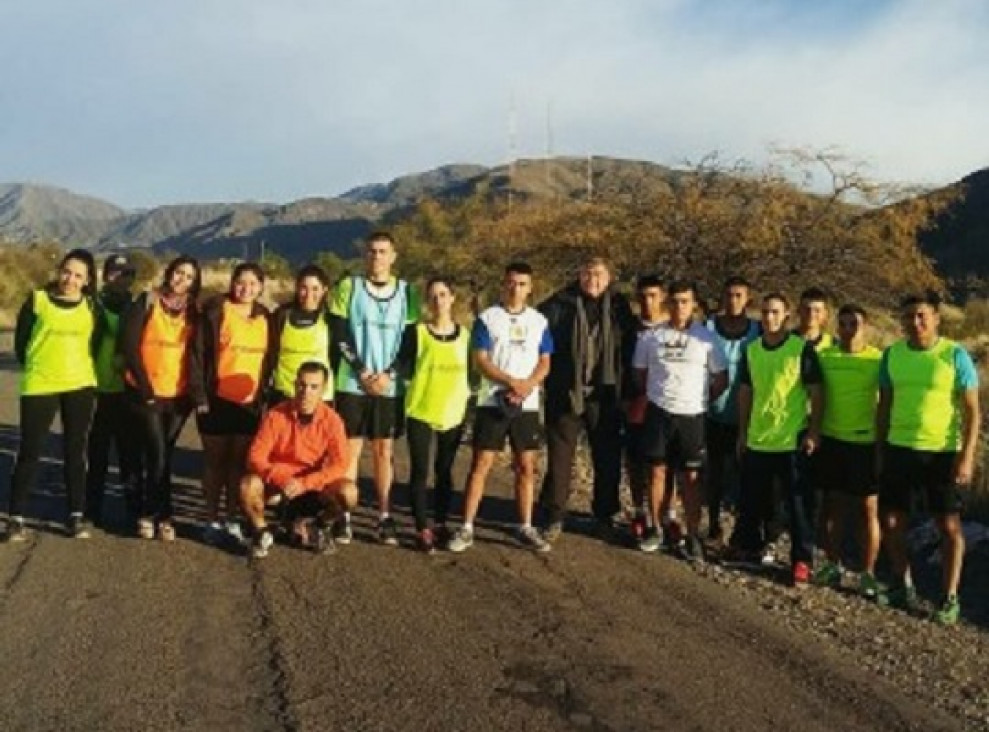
(959, 243)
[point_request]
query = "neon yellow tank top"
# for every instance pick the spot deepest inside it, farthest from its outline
(298, 345)
(925, 413)
(851, 391)
(58, 355)
(779, 399)
(439, 389)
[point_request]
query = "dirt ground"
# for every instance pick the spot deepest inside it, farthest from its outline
(119, 634)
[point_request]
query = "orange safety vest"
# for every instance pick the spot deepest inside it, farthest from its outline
(240, 355)
(164, 344)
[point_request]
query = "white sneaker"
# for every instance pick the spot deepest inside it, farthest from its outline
(262, 544)
(235, 532)
(461, 541)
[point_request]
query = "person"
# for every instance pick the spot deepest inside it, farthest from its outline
(651, 297)
(589, 322)
(54, 341)
(157, 336)
(733, 329)
(301, 333)
(298, 460)
(369, 315)
(927, 428)
(436, 357)
(814, 313)
(112, 421)
(512, 346)
(681, 367)
(234, 359)
(779, 376)
(850, 372)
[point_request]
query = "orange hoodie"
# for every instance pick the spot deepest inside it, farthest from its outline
(285, 448)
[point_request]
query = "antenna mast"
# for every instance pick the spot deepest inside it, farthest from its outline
(512, 151)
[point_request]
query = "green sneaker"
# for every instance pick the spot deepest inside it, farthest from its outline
(828, 575)
(949, 611)
(869, 589)
(903, 597)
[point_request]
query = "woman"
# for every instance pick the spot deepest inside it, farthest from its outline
(436, 355)
(301, 333)
(233, 356)
(157, 335)
(54, 341)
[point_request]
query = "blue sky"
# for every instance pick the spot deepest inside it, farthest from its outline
(194, 100)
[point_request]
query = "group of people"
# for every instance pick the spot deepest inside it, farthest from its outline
(698, 410)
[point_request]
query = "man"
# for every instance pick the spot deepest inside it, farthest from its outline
(589, 322)
(369, 315)
(850, 371)
(299, 458)
(733, 329)
(112, 420)
(651, 298)
(512, 346)
(814, 315)
(778, 374)
(681, 366)
(927, 427)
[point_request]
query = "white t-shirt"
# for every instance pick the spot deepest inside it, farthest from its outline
(515, 341)
(679, 365)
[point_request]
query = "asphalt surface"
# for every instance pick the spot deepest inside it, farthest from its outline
(120, 634)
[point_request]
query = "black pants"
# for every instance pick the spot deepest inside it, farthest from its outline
(603, 423)
(722, 467)
(113, 422)
(37, 414)
(159, 428)
(421, 437)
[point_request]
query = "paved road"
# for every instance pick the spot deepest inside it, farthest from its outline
(118, 634)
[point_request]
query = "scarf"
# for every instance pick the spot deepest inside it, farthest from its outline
(591, 347)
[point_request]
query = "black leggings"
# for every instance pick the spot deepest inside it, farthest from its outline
(114, 423)
(420, 436)
(160, 425)
(37, 414)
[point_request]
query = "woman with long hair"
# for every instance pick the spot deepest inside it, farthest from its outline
(234, 358)
(55, 338)
(301, 333)
(157, 336)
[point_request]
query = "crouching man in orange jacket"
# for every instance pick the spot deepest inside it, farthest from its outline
(299, 459)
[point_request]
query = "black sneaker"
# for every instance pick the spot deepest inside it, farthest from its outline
(343, 531)
(426, 541)
(16, 532)
(322, 540)
(442, 536)
(78, 527)
(388, 531)
(693, 549)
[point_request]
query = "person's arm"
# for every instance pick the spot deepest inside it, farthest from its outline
(967, 387)
(345, 346)
(199, 352)
(259, 455)
(270, 361)
(813, 381)
(129, 344)
(405, 362)
(717, 364)
(744, 402)
(883, 409)
(541, 371)
(334, 465)
(100, 326)
(22, 331)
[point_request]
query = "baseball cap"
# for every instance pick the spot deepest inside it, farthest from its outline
(117, 263)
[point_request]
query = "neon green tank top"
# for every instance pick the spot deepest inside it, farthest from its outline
(439, 389)
(109, 369)
(779, 399)
(925, 413)
(58, 358)
(298, 345)
(851, 391)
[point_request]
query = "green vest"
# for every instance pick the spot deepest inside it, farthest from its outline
(925, 413)
(779, 399)
(851, 391)
(439, 389)
(109, 366)
(58, 355)
(298, 345)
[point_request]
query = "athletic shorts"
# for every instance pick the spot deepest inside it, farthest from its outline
(225, 418)
(523, 430)
(908, 473)
(371, 417)
(847, 468)
(676, 440)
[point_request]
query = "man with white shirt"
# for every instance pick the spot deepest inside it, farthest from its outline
(682, 367)
(512, 345)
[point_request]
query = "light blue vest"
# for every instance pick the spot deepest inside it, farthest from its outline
(724, 409)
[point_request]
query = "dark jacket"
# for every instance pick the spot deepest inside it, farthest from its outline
(560, 310)
(202, 371)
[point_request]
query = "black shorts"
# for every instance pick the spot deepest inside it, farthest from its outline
(676, 440)
(907, 473)
(225, 418)
(371, 417)
(848, 468)
(524, 431)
